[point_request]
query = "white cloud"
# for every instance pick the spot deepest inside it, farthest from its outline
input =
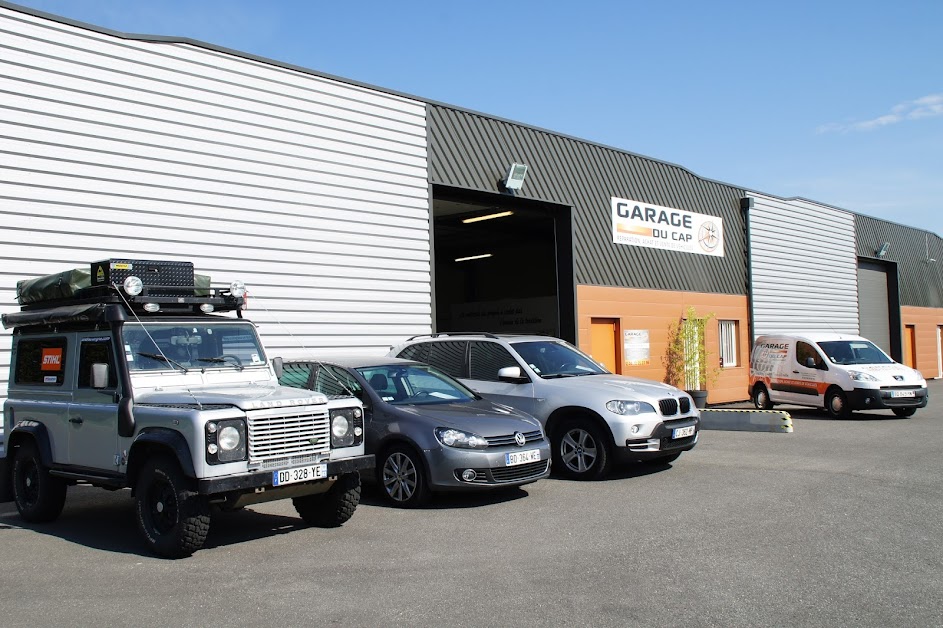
(925, 107)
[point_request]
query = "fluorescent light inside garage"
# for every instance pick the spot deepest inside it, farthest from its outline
(487, 217)
(471, 257)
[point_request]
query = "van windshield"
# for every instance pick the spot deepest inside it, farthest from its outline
(854, 352)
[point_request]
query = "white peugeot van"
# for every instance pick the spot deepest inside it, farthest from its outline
(836, 371)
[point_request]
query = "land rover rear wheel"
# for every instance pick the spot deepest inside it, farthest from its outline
(173, 518)
(580, 450)
(39, 496)
(333, 508)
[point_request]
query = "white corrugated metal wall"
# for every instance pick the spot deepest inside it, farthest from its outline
(312, 191)
(803, 267)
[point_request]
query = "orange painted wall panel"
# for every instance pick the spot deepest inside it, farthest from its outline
(655, 311)
(926, 322)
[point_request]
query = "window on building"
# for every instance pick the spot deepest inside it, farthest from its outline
(728, 343)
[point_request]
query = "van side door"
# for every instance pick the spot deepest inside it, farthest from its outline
(805, 384)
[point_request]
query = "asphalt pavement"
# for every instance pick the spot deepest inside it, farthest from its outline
(839, 523)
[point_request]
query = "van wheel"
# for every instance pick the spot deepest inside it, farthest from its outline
(39, 496)
(836, 404)
(580, 450)
(904, 412)
(761, 398)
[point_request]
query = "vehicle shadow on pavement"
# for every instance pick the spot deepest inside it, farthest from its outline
(371, 496)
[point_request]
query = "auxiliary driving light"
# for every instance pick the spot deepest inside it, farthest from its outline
(206, 308)
(151, 307)
(237, 289)
(133, 285)
(469, 474)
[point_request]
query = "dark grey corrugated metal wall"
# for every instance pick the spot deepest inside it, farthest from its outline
(921, 280)
(472, 151)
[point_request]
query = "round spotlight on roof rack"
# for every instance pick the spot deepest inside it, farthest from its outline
(237, 289)
(133, 285)
(207, 308)
(151, 307)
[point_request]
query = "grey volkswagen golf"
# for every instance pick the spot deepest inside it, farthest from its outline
(428, 431)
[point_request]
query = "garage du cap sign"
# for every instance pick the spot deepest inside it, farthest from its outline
(656, 227)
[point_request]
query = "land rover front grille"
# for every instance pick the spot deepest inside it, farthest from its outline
(289, 434)
(508, 439)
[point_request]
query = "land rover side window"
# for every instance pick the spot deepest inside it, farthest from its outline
(486, 358)
(41, 362)
(96, 350)
(804, 351)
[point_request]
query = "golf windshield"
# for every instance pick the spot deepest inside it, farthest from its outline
(854, 352)
(399, 384)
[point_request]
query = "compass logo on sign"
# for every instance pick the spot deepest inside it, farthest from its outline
(708, 236)
(519, 439)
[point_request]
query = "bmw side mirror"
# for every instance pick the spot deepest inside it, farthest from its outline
(512, 375)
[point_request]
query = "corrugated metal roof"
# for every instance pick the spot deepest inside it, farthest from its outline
(472, 151)
(919, 257)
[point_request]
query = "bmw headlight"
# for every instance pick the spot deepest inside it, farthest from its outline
(457, 438)
(861, 376)
(628, 408)
(225, 441)
(346, 427)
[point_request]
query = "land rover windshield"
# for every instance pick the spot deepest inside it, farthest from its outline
(192, 345)
(846, 352)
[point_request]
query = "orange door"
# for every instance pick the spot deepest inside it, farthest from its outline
(910, 344)
(603, 335)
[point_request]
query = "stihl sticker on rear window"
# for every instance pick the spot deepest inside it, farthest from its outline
(52, 359)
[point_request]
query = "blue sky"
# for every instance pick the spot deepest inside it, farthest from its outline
(836, 101)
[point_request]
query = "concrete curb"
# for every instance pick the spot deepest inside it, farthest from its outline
(746, 420)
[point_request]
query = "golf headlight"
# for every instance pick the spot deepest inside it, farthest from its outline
(628, 408)
(346, 427)
(861, 376)
(133, 285)
(457, 438)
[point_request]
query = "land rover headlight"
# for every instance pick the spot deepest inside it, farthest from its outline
(346, 427)
(225, 441)
(457, 438)
(624, 407)
(861, 376)
(133, 285)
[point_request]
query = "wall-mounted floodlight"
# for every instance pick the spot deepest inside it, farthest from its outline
(881, 252)
(515, 178)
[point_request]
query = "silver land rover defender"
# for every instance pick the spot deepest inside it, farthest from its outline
(126, 376)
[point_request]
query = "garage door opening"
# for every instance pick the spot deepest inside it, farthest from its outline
(497, 266)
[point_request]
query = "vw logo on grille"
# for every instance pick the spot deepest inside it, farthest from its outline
(519, 439)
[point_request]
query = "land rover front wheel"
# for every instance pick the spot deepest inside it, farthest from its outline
(173, 518)
(580, 450)
(39, 496)
(333, 508)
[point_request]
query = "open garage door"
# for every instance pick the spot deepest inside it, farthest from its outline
(499, 266)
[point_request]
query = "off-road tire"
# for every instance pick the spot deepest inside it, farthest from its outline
(39, 496)
(580, 450)
(173, 518)
(333, 508)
